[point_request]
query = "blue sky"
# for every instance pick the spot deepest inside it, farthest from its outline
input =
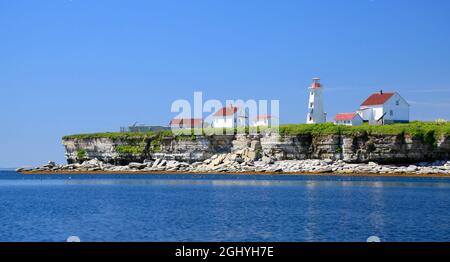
(85, 66)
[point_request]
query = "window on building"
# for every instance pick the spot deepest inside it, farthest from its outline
(397, 102)
(391, 112)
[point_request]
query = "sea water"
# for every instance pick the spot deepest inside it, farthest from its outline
(222, 208)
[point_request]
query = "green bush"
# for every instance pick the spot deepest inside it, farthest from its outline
(81, 154)
(155, 145)
(130, 149)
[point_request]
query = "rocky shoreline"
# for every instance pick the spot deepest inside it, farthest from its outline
(237, 164)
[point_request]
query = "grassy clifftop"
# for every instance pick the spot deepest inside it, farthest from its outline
(119, 135)
(415, 129)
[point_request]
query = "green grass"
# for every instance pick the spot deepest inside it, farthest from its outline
(130, 149)
(119, 135)
(155, 145)
(415, 129)
(428, 131)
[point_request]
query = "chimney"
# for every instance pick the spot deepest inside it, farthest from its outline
(381, 91)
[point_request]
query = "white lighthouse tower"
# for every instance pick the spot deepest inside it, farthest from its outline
(315, 107)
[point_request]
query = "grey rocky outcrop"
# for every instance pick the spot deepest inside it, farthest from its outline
(268, 147)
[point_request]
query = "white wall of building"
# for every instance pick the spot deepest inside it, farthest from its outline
(397, 109)
(224, 122)
(261, 122)
(316, 112)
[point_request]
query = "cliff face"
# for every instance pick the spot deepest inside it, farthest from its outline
(124, 151)
(350, 148)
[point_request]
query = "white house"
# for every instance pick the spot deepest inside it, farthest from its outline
(384, 108)
(348, 119)
(267, 121)
(229, 117)
(316, 113)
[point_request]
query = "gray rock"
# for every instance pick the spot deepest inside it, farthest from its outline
(135, 165)
(218, 160)
(196, 164)
(163, 163)
(50, 164)
(255, 145)
(411, 168)
(92, 163)
(157, 162)
(267, 160)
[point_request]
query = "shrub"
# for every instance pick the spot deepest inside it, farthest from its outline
(81, 154)
(130, 149)
(155, 145)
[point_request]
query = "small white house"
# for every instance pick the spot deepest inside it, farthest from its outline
(316, 112)
(384, 108)
(228, 117)
(348, 119)
(266, 121)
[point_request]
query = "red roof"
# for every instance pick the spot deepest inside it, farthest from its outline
(186, 122)
(264, 117)
(226, 111)
(345, 116)
(377, 99)
(315, 85)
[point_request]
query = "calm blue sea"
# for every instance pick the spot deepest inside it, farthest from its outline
(222, 208)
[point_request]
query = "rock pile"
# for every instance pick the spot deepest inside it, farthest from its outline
(247, 161)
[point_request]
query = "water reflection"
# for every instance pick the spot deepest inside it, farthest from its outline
(220, 182)
(258, 183)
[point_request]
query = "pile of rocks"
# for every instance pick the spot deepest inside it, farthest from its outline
(340, 167)
(248, 161)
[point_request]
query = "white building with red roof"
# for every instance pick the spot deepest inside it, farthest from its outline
(229, 117)
(186, 123)
(384, 108)
(348, 119)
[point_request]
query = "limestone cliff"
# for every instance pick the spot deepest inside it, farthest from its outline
(356, 148)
